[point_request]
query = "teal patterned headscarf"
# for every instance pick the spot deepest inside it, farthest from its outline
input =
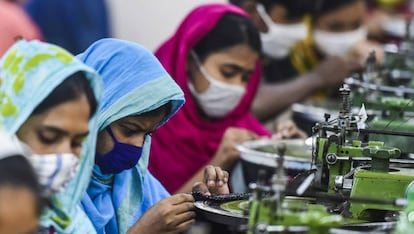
(29, 72)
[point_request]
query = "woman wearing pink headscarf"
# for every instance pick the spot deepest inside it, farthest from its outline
(214, 58)
(15, 23)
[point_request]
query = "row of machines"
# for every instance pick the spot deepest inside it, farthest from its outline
(357, 172)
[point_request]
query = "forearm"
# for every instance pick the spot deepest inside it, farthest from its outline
(274, 98)
(137, 228)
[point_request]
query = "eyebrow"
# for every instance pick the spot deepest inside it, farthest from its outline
(238, 68)
(139, 127)
(61, 131)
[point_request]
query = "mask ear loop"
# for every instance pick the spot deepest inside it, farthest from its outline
(264, 15)
(196, 58)
(109, 130)
(201, 68)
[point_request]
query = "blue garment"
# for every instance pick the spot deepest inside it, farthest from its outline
(29, 72)
(73, 24)
(134, 83)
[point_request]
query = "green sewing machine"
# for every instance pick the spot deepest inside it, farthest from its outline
(355, 181)
(359, 168)
(385, 91)
(271, 211)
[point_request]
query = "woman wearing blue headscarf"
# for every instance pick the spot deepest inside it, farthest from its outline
(139, 96)
(48, 99)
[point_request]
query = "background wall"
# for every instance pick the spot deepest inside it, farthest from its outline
(149, 22)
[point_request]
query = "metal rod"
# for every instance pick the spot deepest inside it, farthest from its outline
(373, 131)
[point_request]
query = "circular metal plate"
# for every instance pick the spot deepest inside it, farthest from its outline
(214, 213)
(234, 213)
(264, 152)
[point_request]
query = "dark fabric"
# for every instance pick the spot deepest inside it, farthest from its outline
(278, 70)
(72, 24)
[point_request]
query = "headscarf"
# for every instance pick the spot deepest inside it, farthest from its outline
(187, 142)
(15, 23)
(29, 72)
(10, 147)
(134, 83)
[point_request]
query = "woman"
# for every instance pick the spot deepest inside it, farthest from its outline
(48, 99)
(216, 64)
(338, 29)
(282, 24)
(139, 96)
(20, 198)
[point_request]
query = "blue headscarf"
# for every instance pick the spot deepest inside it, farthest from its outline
(134, 83)
(29, 72)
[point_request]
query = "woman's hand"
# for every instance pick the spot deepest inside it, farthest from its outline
(227, 154)
(288, 129)
(171, 215)
(215, 181)
(361, 51)
(332, 71)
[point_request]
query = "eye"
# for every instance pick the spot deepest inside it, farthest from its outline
(336, 27)
(49, 139)
(356, 24)
(228, 73)
(77, 142)
(127, 131)
(231, 71)
(246, 76)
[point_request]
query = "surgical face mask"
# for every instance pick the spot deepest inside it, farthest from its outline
(279, 38)
(220, 98)
(54, 171)
(121, 157)
(396, 26)
(338, 44)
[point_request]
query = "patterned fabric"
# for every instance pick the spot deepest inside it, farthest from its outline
(29, 72)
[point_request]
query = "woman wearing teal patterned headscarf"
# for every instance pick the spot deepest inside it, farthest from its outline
(139, 96)
(48, 99)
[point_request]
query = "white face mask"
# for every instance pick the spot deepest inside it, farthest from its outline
(279, 38)
(54, 171)
(220, 98)
(396, 26)
(338, 44)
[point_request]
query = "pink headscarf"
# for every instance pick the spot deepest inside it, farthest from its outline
(15, 23)
(187, 142)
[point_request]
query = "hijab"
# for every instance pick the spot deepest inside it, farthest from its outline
(134, 83)
(29, 72)
(188, 142)
(9, 147)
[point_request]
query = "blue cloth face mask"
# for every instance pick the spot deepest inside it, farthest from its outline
(121, 157)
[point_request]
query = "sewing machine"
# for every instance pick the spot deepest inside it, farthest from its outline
(359, 168)
(391, 107)
(356, 182)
